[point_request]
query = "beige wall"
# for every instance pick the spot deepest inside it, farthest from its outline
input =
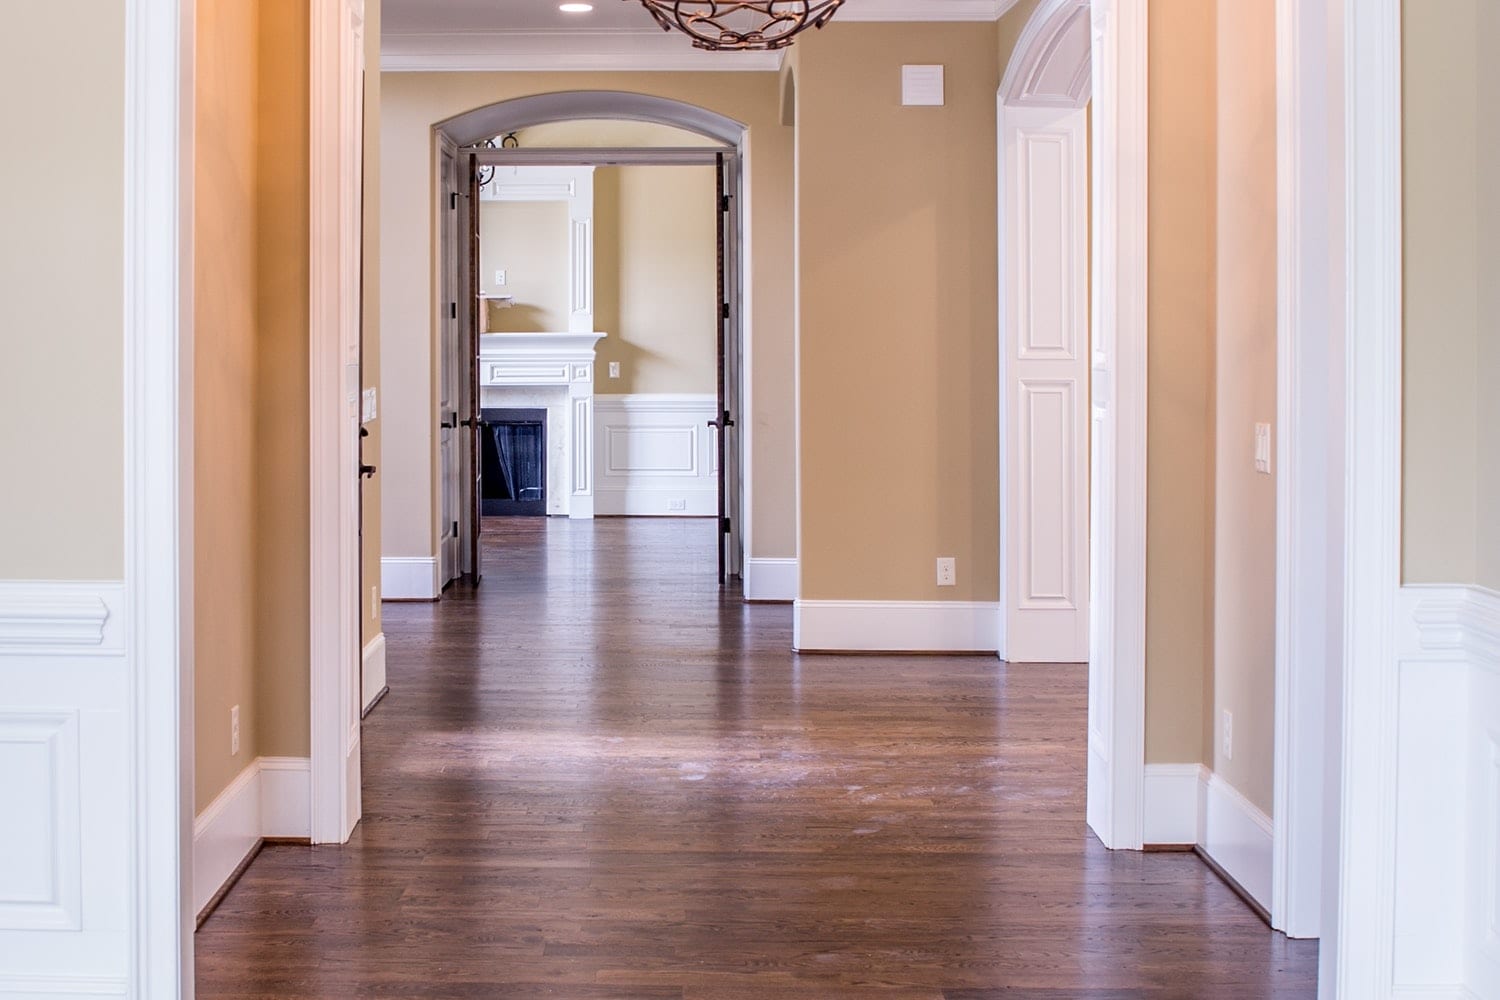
(282, 398)
(225, 322)
(529, 241)
(411, 103)
(61, 281)
(370, 332)
(1182, 196)
(1245, 514)
(655, 253)
(1008, 30)
(897, 230)
(1451, 501)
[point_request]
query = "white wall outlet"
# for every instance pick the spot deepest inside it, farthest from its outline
(234, 731)
(677, 504)
(1226, 734)
(947, 573)
(499, 279)
(1263, 448)
(614, 369)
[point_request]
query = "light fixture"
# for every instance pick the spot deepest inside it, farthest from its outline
(575, 8)
(741, 25)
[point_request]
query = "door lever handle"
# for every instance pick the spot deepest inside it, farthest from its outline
(366, 471)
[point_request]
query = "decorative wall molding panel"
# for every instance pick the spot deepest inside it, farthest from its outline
(1052, 63)
(655, 455)
(895, 626)
(1045, 384)
(372, 672)
(1446, 904)
(771, 579)
(41, 617)
(555, 370)
(65, 779)
(269, 798)
(409, 578)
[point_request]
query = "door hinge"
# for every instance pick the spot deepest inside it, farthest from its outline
(453, 310)
(725, 310)
(724, 203)
(727, 526)
(453, 200)
(455, 529)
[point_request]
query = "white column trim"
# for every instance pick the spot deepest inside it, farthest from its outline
(1362, 965)
(158, 515)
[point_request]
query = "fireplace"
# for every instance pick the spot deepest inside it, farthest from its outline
(514, 462)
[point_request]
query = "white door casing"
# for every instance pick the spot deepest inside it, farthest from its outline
(452, 367)
(1044, 384)
(335, 254)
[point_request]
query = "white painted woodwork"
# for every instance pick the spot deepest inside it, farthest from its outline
(655, 455)
(895, 626)
(772, 579)
(269, 798)
(372, 672)
(1050, 64)
(453, 368)
(1044, 382)
(574, 185)
(336, 118)
(555, 371)
(1117, 532)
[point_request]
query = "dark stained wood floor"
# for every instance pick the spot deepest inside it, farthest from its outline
(596, 778)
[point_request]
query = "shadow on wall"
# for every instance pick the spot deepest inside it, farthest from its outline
(520, 318)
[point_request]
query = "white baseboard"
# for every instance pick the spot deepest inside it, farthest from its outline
(771, 579)
(372, 671)
(63, 987)
(1174, 803)
(654, 454)
(1238, 837)
(896, 626)
(409, 578)
(269, 798)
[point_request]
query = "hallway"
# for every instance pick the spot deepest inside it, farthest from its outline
(596, 777)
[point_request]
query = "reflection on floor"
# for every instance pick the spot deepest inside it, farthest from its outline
(596, 777)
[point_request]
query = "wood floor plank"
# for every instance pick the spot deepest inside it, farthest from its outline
(595, 777)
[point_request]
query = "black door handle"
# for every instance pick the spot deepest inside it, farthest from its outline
(366, 471)
(450, 423)
(720, 425)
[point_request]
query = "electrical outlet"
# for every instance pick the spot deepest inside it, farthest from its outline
(614, 369)
(1263, 448)
(676, 504)
(947, 573)
(499, 279)
(1226, 734)
(234, 731)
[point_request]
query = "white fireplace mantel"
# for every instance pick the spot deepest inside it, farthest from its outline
(560, 365)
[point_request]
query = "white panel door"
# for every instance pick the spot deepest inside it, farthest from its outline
(1045, 385)
(450, 380)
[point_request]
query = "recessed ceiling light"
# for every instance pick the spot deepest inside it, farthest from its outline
(575, 8)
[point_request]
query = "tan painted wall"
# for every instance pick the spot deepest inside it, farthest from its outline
(1180, 379)
(282, 399)
(655, 248)
(61, 281)
(1245, 515)
(529, 241)
(1444, 433)
(370, 331)
(1008, 30)
(225, 451)
(897, 223)
(411, 103)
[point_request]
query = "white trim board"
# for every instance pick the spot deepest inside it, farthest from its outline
(895, 626)
(372, 672)
(771, 579)
(409, 578)
(1189, 804)
(269, 798)
(47, 617)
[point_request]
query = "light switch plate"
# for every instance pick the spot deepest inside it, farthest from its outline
(614, 369)
(1263, 448)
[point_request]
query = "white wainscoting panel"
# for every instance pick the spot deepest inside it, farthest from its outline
(372, 671)
(895, 626)
(409, 578)
(1446, 910)
(771, 579)
(656, 455)
(64, 785)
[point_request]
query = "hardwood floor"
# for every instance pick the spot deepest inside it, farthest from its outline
(594, 777)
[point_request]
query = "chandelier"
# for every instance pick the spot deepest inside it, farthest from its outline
(741, 25)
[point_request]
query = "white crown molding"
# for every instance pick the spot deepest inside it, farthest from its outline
(924, 10)
(69, 617)
(1461, 620)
